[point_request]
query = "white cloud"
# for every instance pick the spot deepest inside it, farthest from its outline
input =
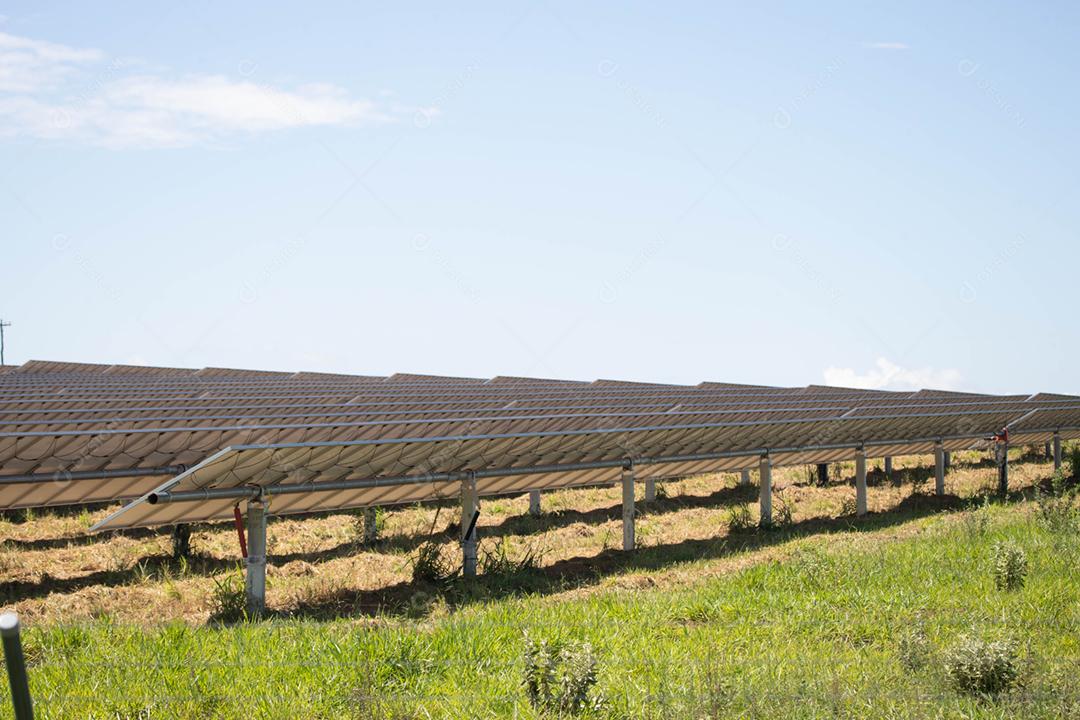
(885, 45)
(887, 375)
(53, 93)
(31, 65)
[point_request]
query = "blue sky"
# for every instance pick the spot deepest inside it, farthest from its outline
(779, 193)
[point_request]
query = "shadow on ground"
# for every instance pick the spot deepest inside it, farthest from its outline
(413, 599)
(153, 567)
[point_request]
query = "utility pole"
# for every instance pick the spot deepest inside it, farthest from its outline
(3, 324)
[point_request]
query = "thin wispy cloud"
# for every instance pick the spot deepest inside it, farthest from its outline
(887, 375)
(56, 92)
(886, 45)
(28, 65)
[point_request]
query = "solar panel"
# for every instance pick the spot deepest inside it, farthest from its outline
(572, 453)
(76, 433)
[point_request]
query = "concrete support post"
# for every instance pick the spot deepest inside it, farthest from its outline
(371, 525)
(628, 508)
(888, 469)
(1002, 452)
(744, 478)
(534, 502)
(860, 482)
(823, 474)
(470, 504)
(939, 470)
(255, 585)
(765, 500)
(1057, 451)
(650, 489)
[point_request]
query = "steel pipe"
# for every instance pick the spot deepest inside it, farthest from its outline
(64, 476)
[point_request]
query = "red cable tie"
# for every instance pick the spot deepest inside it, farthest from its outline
(240, 530)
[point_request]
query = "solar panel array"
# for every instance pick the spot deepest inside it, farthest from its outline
(185, 443)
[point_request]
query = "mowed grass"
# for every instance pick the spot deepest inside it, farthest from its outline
(806, 621)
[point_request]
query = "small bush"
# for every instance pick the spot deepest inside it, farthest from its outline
(1072, 461)
(1010, 566)
(977, 522)
(784, 510)
(812, 567)
(913, 648)
(1057, 510)
(560, 677)
(228, 599)
(982, 667)
(919, 481)
(714, 692)
(739, 518)
(497, 561)
(429, 565)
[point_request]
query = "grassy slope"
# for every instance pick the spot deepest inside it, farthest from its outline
(808, 627)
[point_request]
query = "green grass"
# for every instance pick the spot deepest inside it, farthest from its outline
(813, 635)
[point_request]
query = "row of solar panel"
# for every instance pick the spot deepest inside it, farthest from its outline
(166, 419)
(47, 448)
(68, 430)
(299, 477)
(417, 450)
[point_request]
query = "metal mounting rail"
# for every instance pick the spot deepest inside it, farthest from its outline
(65, 475)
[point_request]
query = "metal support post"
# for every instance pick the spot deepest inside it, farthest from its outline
(628, 507)
(181, 541)
(823, 474)
(470, 509)
(939, 470)
(371, 525)
(1002, 456)
(16, 666)
(860, 482)
(765, 499)
(256, 557)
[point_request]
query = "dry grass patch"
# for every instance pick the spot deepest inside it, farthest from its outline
(51, 571)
